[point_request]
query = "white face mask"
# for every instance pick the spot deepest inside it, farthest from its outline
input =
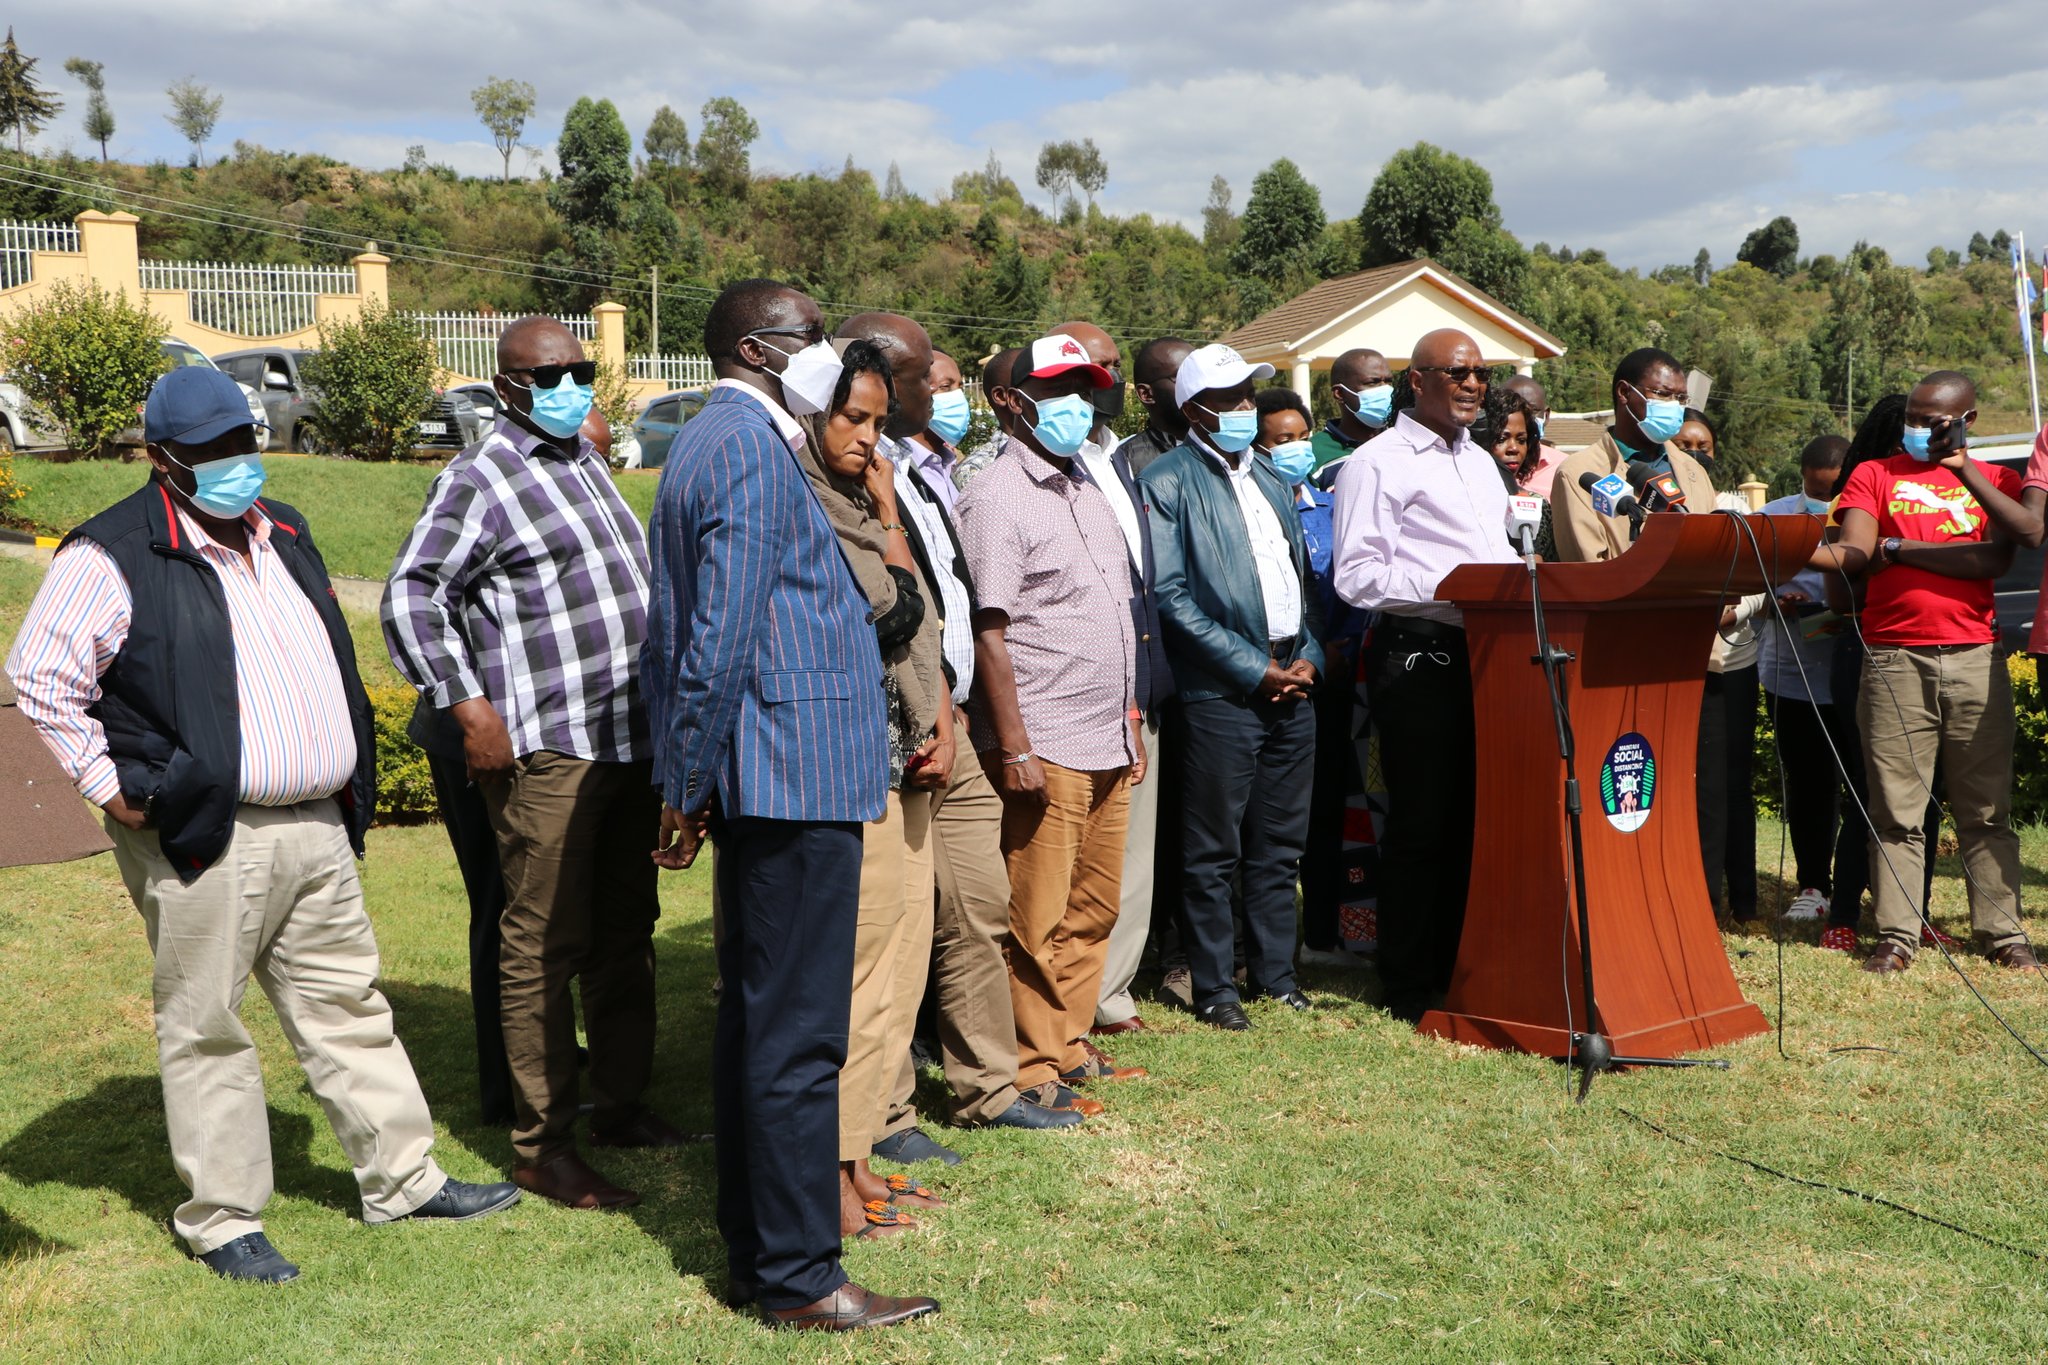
(810, 377)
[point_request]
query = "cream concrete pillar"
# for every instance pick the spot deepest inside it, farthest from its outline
(611, 335)
(1299, 378)
(1754, 493)
(1526, 367)
(373, 277)
(112, 251)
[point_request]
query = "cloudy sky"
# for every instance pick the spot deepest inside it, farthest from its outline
(1649, 131)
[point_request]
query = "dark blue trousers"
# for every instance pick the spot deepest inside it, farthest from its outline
(789, 894)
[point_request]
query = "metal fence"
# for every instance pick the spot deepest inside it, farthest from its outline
(250, 300)
(676, 371)
(468, 342)
(18, 240)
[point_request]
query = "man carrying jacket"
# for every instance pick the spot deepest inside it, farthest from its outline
(237, 798)
(1241, 628)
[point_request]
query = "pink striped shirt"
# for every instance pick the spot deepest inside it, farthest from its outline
(297, 742)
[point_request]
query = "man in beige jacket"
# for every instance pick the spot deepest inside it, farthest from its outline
(1649, 408)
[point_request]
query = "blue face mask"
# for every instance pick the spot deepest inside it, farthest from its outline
(1915, 440)
(1234, 430)
(1062, 424)
(1374, 405)
(950, 415)
(1539, 427)
(226, 488)
(1817, 506)
(1295, 460)
(560, 411)
(1662, 417)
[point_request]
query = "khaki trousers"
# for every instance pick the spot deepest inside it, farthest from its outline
(284, 904)
(1954, 702)
(892, 948)
(977, 1026)
(580, 906)
(1066, 871)
(1134, 918)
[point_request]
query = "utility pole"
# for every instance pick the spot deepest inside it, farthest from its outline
(654, 347)
(1849, 397)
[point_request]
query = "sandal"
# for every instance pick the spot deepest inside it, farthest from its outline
(903, 1187)
(884, 1219)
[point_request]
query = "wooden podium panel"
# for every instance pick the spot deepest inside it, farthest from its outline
(1640, 630)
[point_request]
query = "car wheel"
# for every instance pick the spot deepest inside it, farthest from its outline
(6, 439)
(309, 440)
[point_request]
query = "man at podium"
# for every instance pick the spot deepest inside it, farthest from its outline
(1413, 504)
(1649, 408)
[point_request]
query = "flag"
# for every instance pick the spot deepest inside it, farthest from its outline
(2019, 271)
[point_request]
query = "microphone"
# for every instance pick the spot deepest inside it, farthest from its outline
(1525, 514)
(1657, 492)
(1610, 493)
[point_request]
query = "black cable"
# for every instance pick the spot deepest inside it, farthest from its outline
(1877, 1199)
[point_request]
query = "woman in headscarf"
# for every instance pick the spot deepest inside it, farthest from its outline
(856, 487)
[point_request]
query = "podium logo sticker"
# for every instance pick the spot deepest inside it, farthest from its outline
(1628, 783)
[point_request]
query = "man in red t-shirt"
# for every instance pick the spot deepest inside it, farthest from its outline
(1934, 679)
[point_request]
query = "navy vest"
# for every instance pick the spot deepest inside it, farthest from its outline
(168, 701)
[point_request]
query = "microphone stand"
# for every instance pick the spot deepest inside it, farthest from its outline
(1591, 1050)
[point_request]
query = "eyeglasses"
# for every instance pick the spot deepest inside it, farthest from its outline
(1458, 374)
(812, 334)
(1663, 395)
(550, 376)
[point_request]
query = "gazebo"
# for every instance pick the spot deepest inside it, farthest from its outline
(1387, 309)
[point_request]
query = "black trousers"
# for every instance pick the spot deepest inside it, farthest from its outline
(1244, 816)
(1420, 691)
(1336, 777)
(1727, 807)
(1818, 814)
(789, 894)
(468, 823)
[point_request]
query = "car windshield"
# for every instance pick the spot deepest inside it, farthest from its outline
(181, 356)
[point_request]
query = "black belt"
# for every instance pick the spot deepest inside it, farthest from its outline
(1420, 627)
(1280, 649)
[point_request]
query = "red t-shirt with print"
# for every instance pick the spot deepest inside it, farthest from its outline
(1915, 501)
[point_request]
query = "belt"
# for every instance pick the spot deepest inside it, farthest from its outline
(1421, 627)
(1280, 649)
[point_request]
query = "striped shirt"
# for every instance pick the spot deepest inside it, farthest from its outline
(297, 739)
(525, 582)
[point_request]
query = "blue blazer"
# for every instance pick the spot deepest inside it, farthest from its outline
(762, 676)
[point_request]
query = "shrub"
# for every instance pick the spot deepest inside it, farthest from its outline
(373, 377)
(2030, 745)
(12, 490)
(405, 787)
(84, 358)
(614, 402)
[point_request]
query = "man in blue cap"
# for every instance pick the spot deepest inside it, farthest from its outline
(186, 662)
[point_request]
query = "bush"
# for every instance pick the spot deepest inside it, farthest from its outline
(373, 377)
(614, 403)
(12, 490)
(405, 787)
(2030, 745)
(84, 358)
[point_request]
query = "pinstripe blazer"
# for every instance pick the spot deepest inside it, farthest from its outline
(761, 672)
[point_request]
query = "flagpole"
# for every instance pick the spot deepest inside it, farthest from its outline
(2019, 291)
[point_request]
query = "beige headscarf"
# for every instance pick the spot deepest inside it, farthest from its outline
(916, 668)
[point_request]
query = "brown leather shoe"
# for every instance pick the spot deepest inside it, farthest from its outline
(2017, 955)
(850, 1307)
(570, 1180)
(1131, 1025)
(1888, 958)
(1053, 1095)
(648, 1129)
(1103, 1067)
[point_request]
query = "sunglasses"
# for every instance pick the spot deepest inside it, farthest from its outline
(1459, 374)
(550, 376)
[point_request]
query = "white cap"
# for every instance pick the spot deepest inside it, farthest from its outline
(1055, 355)
(1214, 366)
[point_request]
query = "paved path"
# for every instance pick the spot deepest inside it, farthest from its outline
(357, 594)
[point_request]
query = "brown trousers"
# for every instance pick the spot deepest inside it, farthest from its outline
(977, 1026)
(580, 905)
(892, 950)
(1066, 872)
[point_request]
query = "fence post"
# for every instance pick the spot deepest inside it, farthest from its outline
(373, 276)
(112, 251)
(611, 334)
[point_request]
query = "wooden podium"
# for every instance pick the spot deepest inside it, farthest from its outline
(1639, 629)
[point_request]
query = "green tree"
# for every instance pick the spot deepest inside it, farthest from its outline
(726, 133)
(667, 141)
(1091, 172)
(1702, 267)
(84, 358)
(595, 154)
(24, 105)
(99, 116)
(893, 189)
(194, 111)
(1219, 224)
(1280, 239)
(1418, 199)
(1488, 256)
(1980, 247)
(1773, 248)
(503, 105)
(374, 376)
(1055, 171)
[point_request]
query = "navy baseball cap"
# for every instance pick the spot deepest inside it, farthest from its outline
(192, 405)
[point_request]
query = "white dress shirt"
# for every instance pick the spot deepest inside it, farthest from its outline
(1279, 583)
(1411, 508)
(1095, 460)
(957, 639)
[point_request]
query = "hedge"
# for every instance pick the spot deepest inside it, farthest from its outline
(405, 787)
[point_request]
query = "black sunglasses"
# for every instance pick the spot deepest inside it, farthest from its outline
(549, 376)
(1458, 374)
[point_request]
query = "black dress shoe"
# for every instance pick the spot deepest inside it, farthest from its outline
(458, 1201)
(741, 1293)
(1228, 1015)
(1022, 1113)
(850, 1307)
(250, 1257)
(1295, 1001)
(914, 1144)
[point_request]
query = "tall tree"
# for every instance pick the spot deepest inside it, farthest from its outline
(1219, 224)
(1488, 256)
(194, 111)
(1055, 171)
(1702, 267)
(726, 132)
(503, 105)
(596, 158)
(1281, 236)
(667, 142)
(99, 118)
(893, 190)
(1091, 172)
(24, 105)
(1773, 248)
(1418, 199)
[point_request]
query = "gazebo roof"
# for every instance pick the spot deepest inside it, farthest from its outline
(1334, 302)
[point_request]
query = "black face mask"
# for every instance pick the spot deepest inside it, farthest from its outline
(1110, 401)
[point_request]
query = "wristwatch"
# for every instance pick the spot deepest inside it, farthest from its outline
(1890, 548)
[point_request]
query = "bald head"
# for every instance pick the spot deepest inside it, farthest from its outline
(1447, 403)
(527, 342)
(908, 349)
(1529, 391)
(1437, 348)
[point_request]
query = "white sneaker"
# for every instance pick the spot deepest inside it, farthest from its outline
(1338, 958)
(1808, 904)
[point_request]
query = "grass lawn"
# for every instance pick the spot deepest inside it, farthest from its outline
(360, 513)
